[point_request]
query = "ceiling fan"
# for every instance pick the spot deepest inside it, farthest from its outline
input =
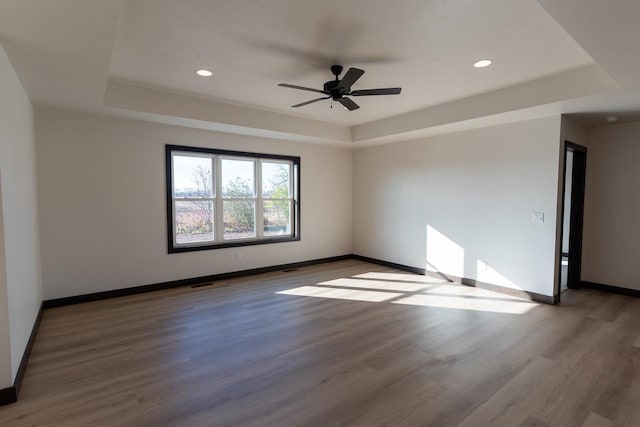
(339, 89)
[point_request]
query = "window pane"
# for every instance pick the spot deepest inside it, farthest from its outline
(277, 218)
(239, 219)
(194, 221)
(192, 176)
(275, 180)
(237, 178)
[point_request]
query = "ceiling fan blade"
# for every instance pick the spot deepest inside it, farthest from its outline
(310, 102)
(348, 103)
(350, 77)
(301, 88)
(368, 92)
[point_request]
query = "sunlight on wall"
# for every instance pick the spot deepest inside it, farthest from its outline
(443, 254)
(346, 294)
(489, 275)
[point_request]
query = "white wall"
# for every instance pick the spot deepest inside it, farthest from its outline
(610, 253)
(6, 379)
(462, 203)
(102, 203)
(20, 282)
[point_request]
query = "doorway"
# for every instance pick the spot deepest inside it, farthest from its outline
(575, 162)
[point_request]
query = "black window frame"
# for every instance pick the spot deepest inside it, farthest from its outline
(295, 211)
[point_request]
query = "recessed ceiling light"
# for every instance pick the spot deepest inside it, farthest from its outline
(611, 119)
(482, 63)
(204, 73)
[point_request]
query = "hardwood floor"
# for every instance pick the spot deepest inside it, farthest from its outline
(340, 344)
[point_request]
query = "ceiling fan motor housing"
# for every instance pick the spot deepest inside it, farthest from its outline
(331, 88)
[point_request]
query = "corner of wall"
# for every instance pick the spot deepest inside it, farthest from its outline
(20, 239)
(6, 379)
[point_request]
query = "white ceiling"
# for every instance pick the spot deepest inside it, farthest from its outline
(137, 58)
(427, 47)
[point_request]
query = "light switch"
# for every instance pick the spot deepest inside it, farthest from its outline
(537, 217)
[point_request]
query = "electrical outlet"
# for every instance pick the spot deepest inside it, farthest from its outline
(238, 256)
(537, 217)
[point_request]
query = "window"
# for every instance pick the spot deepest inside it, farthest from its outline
(219, 198)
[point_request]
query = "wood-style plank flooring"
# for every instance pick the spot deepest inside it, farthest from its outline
(340, 344)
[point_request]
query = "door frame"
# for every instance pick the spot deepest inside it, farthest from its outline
(576, 221)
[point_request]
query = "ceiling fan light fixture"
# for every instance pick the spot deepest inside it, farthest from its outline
(204, 72)
(482, 63)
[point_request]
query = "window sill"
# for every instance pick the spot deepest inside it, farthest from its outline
(232, 244)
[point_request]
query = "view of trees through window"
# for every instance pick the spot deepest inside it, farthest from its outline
(194, 204)
(276, 187)
(255, 198)
(239, 198)
(239, 215)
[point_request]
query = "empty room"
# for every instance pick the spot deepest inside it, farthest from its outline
(305, 213)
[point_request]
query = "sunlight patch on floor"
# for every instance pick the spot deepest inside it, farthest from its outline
(460, 290)
(413, 278)
(415, 290)
(475, 304)
(346, 294)
(377, 284)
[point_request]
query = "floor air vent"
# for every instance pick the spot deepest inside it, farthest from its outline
(201, 285)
